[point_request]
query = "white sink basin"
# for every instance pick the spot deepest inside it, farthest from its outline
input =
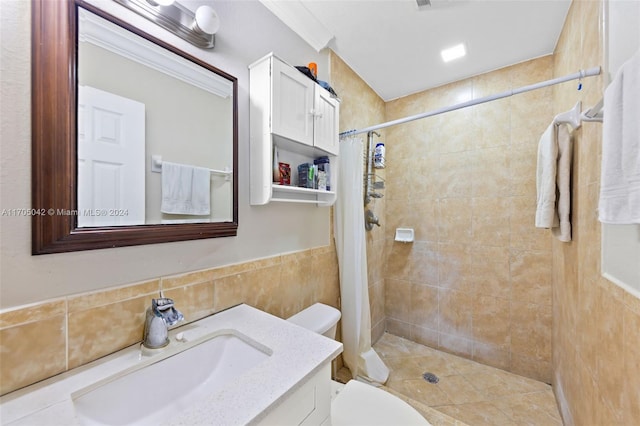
(159, 388)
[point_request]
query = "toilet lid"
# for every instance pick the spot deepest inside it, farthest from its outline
(362, 404)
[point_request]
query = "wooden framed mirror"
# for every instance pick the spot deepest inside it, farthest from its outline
(55, 120)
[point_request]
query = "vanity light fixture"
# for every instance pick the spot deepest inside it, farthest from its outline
(160, 2)
(197, 28)
(455, 52)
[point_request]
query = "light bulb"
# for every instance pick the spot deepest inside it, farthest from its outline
(207, 20)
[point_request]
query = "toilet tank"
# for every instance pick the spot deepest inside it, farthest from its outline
(320, 318)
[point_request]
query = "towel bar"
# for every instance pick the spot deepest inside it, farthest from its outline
(595, 113)
(571, 117)
(156, 167)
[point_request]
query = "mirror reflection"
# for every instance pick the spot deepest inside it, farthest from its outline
(155, 133)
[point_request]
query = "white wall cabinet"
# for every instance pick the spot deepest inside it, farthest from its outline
(325, 128)
(298, 117)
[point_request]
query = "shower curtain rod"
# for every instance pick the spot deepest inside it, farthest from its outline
(579, 75)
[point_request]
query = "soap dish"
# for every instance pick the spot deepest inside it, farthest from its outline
(404, 235)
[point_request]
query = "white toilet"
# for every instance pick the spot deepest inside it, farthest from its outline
(356, 403)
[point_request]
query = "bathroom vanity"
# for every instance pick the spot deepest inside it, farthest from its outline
(240, 366)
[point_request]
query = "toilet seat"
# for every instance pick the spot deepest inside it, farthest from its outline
(356, 403)
(359, 404)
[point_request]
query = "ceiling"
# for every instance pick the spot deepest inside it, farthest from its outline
(395, 46)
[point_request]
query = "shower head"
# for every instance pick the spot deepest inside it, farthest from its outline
(423, 3)
(371, 195)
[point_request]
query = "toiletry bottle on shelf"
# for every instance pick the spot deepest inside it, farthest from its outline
(303, 176)
(378, 156)
(322, 180)
(324, 165)
(313, 67)
(276, 165)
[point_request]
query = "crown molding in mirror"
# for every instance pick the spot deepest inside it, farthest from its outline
(54, 162)
(117, 40)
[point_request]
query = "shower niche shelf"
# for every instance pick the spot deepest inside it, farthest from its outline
(297, 117)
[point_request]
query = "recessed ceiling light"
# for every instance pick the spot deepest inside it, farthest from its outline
(455, 52)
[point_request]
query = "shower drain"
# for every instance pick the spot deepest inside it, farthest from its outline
(430, 377)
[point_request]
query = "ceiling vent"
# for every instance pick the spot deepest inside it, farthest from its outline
(423, 4)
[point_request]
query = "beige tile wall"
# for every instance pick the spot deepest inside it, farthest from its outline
(40, 341)
(477, 280)
(596, 335)
(362, 107)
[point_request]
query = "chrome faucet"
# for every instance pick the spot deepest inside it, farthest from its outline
(160, 316)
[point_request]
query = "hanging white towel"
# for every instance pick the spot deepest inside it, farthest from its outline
(553, 181)
(563, 183)
(620, 181)
(546, 215)
(185, 189)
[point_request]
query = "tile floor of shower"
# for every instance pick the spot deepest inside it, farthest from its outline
(467, 393)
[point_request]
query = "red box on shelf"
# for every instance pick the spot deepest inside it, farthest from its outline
(285, 173)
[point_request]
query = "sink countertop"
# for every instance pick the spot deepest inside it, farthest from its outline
(296, 355)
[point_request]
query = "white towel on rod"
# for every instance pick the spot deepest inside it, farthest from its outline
(185, 189)
(563, 183)
(620, 180)
(553, 181)
(546, 215)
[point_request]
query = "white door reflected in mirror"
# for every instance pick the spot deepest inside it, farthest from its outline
(111, 140)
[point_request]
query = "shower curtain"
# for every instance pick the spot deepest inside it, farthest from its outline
(351, 246)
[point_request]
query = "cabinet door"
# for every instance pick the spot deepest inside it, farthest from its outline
(292, 104)
(326, 124)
